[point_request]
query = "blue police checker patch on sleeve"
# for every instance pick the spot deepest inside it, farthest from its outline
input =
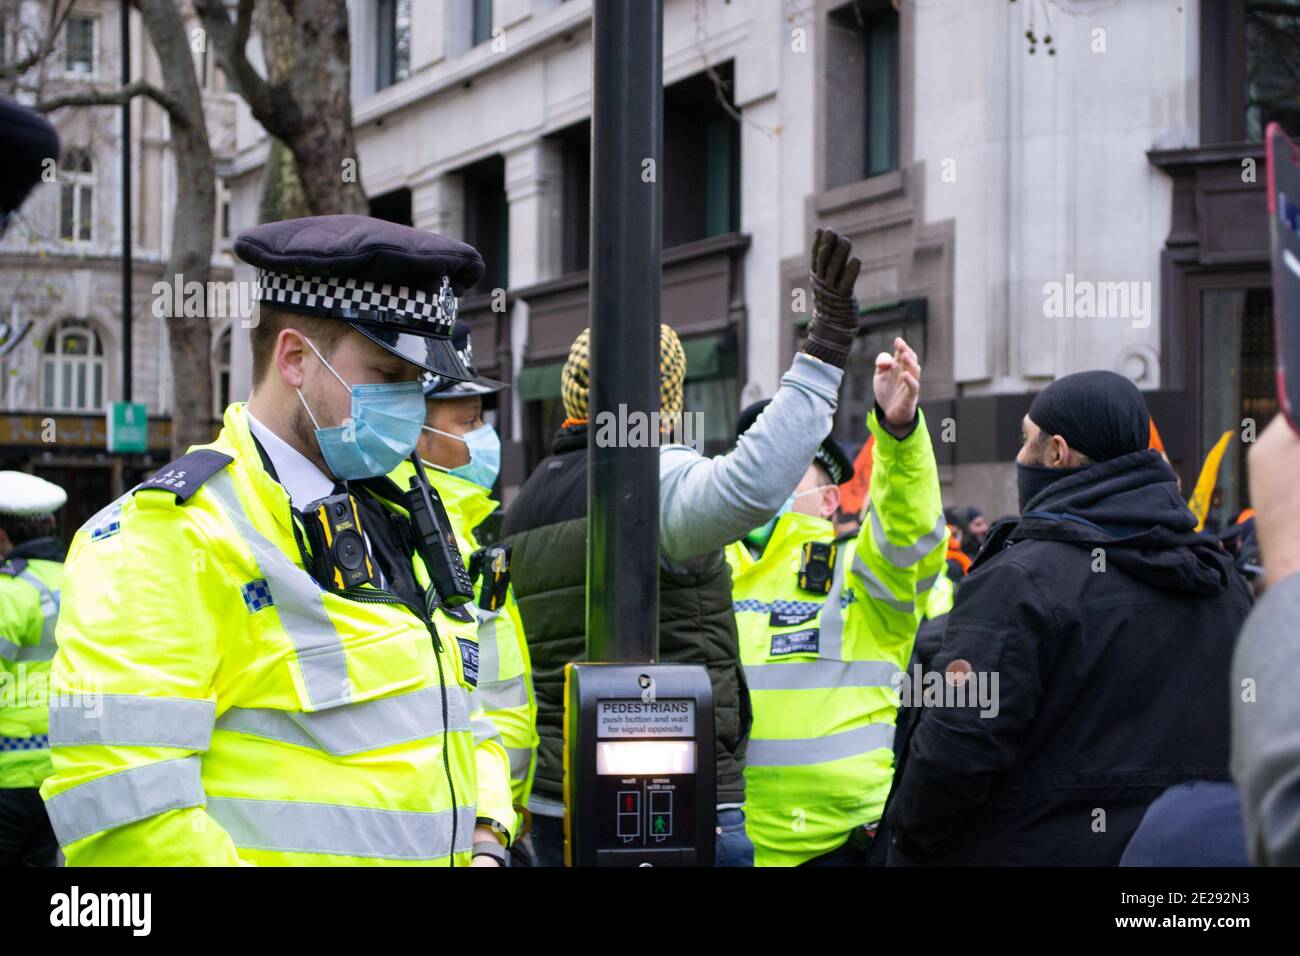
(796, 642)
(256, 595)
(109, 524)
(790, 613)
(469, 660)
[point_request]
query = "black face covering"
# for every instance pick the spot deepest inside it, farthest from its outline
(1032, 479)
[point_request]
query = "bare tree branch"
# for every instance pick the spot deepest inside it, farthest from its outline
(231, 45)
(178, 114)
(57, 18)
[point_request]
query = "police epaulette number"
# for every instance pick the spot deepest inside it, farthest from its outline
(186, 474)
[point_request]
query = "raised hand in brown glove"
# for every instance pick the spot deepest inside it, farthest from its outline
(835, 308)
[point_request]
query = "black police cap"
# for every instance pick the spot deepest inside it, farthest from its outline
(438, 386)
(394, 284)
(829, 455)
(29, 140)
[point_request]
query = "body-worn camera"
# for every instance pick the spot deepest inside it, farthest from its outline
(338, 548)
(493, 564)
(436, 541)
(818, 567)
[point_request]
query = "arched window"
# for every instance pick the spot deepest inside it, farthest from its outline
(72, 368)
(76, 197)
(221, 374)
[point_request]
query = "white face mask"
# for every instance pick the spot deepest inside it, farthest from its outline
(795, 497)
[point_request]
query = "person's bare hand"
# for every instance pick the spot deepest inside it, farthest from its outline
(898, 385)
(1275, 496)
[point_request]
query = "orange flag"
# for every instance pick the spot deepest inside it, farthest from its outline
(853, 493)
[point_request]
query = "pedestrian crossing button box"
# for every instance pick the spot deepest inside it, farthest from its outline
(639, 784)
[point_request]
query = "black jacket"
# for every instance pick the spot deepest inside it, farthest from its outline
(1109, 624)
(547, 526)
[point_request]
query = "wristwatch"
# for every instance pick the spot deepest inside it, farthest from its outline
(490, 848)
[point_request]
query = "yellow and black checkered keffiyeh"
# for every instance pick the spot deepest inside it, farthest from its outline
(576, 377)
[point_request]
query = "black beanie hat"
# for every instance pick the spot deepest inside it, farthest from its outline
(1099, 414)
(29, 140)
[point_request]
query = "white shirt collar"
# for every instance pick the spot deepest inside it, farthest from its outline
(298, 474)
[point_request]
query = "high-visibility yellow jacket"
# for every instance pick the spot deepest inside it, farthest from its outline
(29, 606)
(822, 669)
(212, 704)
(940, 597)
(505, 680)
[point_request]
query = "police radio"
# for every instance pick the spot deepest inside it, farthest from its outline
(339, 555)
(436, 541)
(818, 567)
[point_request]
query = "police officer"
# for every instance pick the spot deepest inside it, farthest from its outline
(31, 574)
(826, 627)
(462, 457)
(248, 670)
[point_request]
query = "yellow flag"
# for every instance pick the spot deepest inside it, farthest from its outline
(1200, 503)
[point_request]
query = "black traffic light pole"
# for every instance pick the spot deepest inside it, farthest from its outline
(125, 26)
(626, 239)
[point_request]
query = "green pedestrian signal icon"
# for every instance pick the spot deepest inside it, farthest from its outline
(661, 826)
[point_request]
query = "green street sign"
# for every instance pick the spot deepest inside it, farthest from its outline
(128, 427)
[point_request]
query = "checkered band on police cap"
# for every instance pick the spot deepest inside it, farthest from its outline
(355, 298)
(575, 380)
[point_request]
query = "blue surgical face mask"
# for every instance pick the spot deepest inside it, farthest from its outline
(384, 427)
(484, 455)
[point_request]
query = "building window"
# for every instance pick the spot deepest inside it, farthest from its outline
(73, 368)
(862, 91)
(1237, 382)
(482, 28)
(221, 375)
(1272, 44)
(392, 42)
(225, 219)
(393, 206)
(487, 220)
(76, 197)
(575, 149)
(877, 329)
(79, 46)
(701, 155)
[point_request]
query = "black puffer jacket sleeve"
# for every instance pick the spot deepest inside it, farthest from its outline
(956, 754)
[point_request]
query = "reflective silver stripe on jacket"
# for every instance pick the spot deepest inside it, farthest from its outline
(130, 720)
(814, 750)
(924, 584)
(11, 650)
(297, 600)
(878, 590)
(820, 675)
(291, 827)
(521, 758)
(489, 655)
(356, 728)
(125, 797)
(904, 556)
(831, 623)
(504, 694)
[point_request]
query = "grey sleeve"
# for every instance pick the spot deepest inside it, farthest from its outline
(706, 503)
(1266, 725)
